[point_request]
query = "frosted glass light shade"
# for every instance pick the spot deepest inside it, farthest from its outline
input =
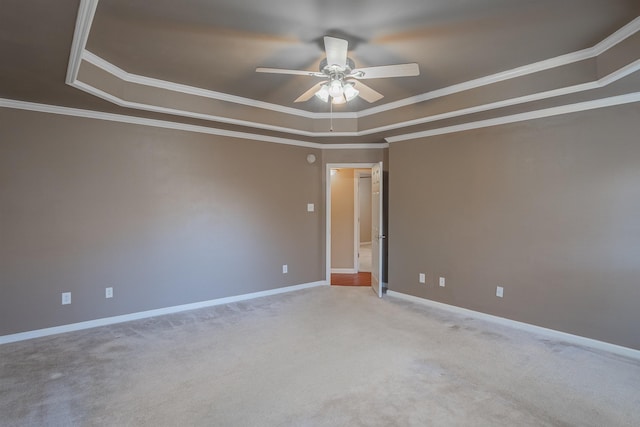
(350, 92)
(323, 93)
(335, 89)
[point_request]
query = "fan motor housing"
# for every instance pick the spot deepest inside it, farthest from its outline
(332, 69)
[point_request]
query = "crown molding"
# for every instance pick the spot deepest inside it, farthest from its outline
(602, 82)
(87, 12)
(120, 118)
(175, 112)
(622, 34)
(482, 81)
(84, 19)
(86, 15)
(598, 84)
(530, 115)
(192, 90)
(619, 36)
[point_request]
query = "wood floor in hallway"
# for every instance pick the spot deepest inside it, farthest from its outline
(357, 279)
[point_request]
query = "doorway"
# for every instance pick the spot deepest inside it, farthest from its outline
(349, 225)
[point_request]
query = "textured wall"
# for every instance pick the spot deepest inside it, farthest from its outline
(548, 209)
(164, 217)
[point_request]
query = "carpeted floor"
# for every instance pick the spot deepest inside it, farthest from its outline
(327, 356)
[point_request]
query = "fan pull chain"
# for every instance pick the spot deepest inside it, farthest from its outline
(330, 115)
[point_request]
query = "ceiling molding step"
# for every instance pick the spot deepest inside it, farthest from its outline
(592, 52)
(602, 82)
(482, 81)
(191, 90)
(617, 37)
(86, 15)
(84, 19)
(120, 118)
(621, 73)
(530, 115)
(208, 117)
(491, 106)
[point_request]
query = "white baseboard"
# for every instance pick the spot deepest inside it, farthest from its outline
(5, 339)
(551, 333)
(344, 271)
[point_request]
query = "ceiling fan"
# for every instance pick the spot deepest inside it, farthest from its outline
(341, 78)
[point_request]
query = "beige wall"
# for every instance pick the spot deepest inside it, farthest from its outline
(364, 200)
(372, 155)
(164, 217)
(342, 219)
(549, 209)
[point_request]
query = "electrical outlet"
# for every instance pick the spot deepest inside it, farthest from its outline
(66, 298)
(442, 282)
(422, 278)
(285, 269)
(311, 207)
(499, 291)
(108, 292)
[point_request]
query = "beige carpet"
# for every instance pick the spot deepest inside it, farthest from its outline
(329, 356)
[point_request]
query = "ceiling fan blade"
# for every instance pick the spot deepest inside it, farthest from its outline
(399, 70)
(284, 71)
(366, 92)
(309, 94)
(336, 51)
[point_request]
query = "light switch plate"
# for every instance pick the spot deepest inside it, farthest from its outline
(310, 207)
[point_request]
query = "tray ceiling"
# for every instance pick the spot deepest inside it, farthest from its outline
(194, 61)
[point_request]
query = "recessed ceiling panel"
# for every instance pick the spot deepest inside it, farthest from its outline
(216, 45)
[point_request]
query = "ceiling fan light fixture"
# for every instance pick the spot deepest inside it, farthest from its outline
(336, 89)
(338, 100)
(350, 92)
(323, 93)
(336, 67)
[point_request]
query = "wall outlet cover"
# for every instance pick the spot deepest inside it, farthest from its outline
(108, 292)
(442, 282)
(311, 207)
(285, 269)
(422, 278)
(66, 298)
(499, 291)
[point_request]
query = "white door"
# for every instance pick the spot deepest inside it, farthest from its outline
(376, 229)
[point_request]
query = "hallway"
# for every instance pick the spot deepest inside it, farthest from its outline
(358, 279)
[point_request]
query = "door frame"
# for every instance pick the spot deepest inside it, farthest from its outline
(357, 176)
(328, 168)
